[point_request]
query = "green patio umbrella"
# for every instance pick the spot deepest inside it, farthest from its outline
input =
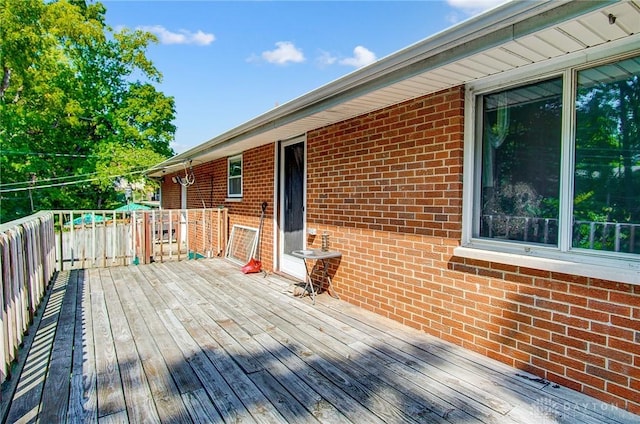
(88, 218)
(132, 207)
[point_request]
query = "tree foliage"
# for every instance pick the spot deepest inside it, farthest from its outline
(607, 178)
(608, 151)
(77, 103)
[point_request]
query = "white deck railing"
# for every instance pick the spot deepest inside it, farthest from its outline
(88, 239)
(27, 256)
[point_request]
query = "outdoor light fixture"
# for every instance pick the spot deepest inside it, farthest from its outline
(184, 181)
(188, 178)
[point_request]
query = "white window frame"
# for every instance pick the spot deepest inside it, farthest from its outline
(613, 266)
(234, 196)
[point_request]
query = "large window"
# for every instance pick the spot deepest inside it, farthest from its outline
(234, 175)
(521, 141)
(556, 164)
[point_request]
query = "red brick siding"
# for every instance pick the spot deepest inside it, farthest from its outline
(170, 193)
(396, 170)
(210, 191)
(387, 186)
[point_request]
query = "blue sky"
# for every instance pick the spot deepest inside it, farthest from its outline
(226, 62)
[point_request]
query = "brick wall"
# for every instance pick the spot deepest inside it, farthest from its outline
(396, 170)
(387, 187)
(170, 193)
(210, 191)
(257, 186)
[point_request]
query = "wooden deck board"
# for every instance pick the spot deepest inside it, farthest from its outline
(110, 394)
(55, 393)
(389, 404)
(83, 401)
(28, 391)
(316, 336)
(150, 304)
(161, 385)
(228, 404)
(200, 407)
(364, 369)
(140, 403)
(523, 391)
(198, 341)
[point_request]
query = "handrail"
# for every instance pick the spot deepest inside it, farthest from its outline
(27, 263)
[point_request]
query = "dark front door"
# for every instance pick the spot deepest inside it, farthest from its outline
(292, 206)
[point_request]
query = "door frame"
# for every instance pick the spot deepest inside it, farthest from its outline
(287, 263)
(183, 215)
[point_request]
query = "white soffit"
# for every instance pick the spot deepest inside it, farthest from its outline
(588, 30)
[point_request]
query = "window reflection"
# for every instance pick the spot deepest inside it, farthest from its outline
(521, 139)
(606, 199)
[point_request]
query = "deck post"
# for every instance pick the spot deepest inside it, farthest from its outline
(61, 234)
(146, 237)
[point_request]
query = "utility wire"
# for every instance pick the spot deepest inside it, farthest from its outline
(12, 190)
(30, 182)
(60, 155)
(48, 179)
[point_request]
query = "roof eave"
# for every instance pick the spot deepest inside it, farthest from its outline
(499, 25)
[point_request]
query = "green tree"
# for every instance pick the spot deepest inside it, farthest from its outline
(607, 161)
(77, 103)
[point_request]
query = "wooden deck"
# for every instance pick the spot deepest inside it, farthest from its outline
(198, 341)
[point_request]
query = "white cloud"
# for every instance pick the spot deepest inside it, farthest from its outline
(361, 57)
(183, 36)
(284, 53)
(473, 7)
(326, 59)
(203, 38)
